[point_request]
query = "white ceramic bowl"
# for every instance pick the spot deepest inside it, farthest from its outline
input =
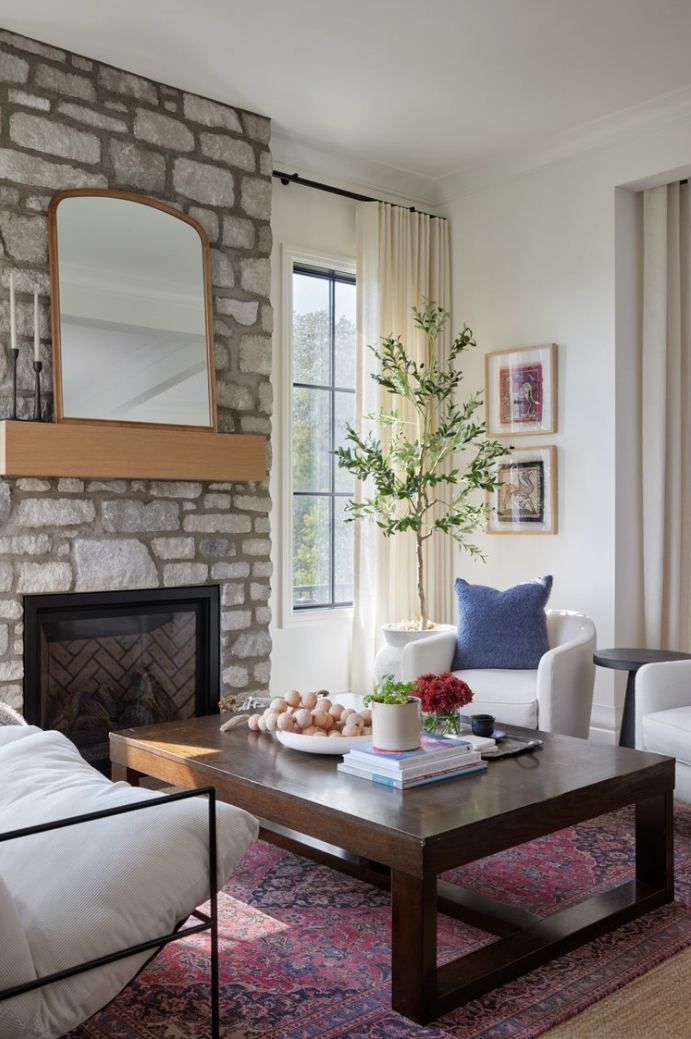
(321, 744)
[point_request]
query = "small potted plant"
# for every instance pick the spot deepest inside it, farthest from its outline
(396, 715)
(441, 698)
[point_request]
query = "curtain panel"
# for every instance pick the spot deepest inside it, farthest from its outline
(666, 417)
(402, 258)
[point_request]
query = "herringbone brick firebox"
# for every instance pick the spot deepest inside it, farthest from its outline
(98, 662)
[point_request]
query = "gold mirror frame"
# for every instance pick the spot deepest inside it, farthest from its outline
(55, 312)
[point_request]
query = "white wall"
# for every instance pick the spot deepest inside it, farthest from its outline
(310, 652)
(534, 262)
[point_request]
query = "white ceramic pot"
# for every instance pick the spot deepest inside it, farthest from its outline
(388, 659)
(397, 726)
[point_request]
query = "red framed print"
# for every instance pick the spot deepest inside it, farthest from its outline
(521, 391)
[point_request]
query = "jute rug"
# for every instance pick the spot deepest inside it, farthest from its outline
(305, 951)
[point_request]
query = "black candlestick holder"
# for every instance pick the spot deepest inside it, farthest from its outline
(14, 354)
(38, 365)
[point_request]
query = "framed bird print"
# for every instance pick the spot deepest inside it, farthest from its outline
(521, 391)
(525, 499)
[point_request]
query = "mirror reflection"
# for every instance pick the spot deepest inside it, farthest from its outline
(131, 323)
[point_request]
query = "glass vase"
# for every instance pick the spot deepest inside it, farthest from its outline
(443, 723)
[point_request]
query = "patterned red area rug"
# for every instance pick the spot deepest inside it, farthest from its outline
(305, 951)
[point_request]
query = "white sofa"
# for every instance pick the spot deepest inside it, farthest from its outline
(72, 894)
(663, 716)
(557, 697)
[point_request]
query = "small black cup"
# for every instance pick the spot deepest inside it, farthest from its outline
(482, 724)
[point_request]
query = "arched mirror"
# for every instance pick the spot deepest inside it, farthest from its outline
(131, 311)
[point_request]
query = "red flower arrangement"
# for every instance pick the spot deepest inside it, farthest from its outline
(441, 696)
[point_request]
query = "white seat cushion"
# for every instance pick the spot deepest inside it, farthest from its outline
(510, 695)
(91, 889)
(669, 732)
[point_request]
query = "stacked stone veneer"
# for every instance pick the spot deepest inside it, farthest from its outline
(68, 122)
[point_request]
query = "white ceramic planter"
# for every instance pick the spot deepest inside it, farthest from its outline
(397, 726)
(388, 659)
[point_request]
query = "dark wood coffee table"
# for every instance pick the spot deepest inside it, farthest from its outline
(405, 839)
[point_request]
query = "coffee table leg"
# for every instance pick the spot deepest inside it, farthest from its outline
(655, 842)
(119, 773)
(413, 946)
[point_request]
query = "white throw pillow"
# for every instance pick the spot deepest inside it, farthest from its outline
(10, 733)
(91, 889)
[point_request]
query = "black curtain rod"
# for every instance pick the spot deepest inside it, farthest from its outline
(295, 178)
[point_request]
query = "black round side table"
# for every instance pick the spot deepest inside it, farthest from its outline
(630, 660)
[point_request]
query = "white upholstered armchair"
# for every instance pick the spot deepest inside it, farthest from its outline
(557, 697)
(663, 716)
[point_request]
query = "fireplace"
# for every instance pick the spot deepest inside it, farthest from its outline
(95, 662)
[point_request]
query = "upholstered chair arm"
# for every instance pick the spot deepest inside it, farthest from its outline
(433, 654)
(565, 680)
(661, 687)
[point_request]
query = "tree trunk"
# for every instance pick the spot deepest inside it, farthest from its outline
(421, 582)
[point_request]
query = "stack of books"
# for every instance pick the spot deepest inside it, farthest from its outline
(438, 757)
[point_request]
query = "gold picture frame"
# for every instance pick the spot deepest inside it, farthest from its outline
(525, 500)
(521, 391)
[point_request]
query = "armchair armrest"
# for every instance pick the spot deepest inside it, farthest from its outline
(661, 687)
(565, 680)
(432, 654)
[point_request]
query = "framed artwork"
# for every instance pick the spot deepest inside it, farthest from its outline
(525, 502)
(521, 391)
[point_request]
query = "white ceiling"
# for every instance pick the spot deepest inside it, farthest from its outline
(423, 90)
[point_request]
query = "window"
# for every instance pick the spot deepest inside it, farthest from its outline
(323, 337)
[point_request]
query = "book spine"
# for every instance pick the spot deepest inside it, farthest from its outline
(422, 755)
(418, 768)
(480, 766)
(398, 784)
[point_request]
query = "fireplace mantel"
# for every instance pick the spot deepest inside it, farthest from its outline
(118, 452)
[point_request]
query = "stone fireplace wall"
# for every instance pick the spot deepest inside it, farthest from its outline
(67, 121)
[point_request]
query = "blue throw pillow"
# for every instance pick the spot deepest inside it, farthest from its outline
(501, 629)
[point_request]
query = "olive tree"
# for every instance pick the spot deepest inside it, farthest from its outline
(423, 475)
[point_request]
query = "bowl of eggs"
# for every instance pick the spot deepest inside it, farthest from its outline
(314, 723)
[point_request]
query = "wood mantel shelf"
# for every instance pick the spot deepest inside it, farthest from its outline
(108, 452)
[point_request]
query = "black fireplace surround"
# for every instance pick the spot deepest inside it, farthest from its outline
(95, 662)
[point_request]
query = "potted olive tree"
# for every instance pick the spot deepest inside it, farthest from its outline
(423, 476)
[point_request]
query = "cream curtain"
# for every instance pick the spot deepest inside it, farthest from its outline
(666, 417)
(402, 258)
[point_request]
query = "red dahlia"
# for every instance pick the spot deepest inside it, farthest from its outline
(442, 692)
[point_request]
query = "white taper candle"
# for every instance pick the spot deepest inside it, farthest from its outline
(37, 341)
